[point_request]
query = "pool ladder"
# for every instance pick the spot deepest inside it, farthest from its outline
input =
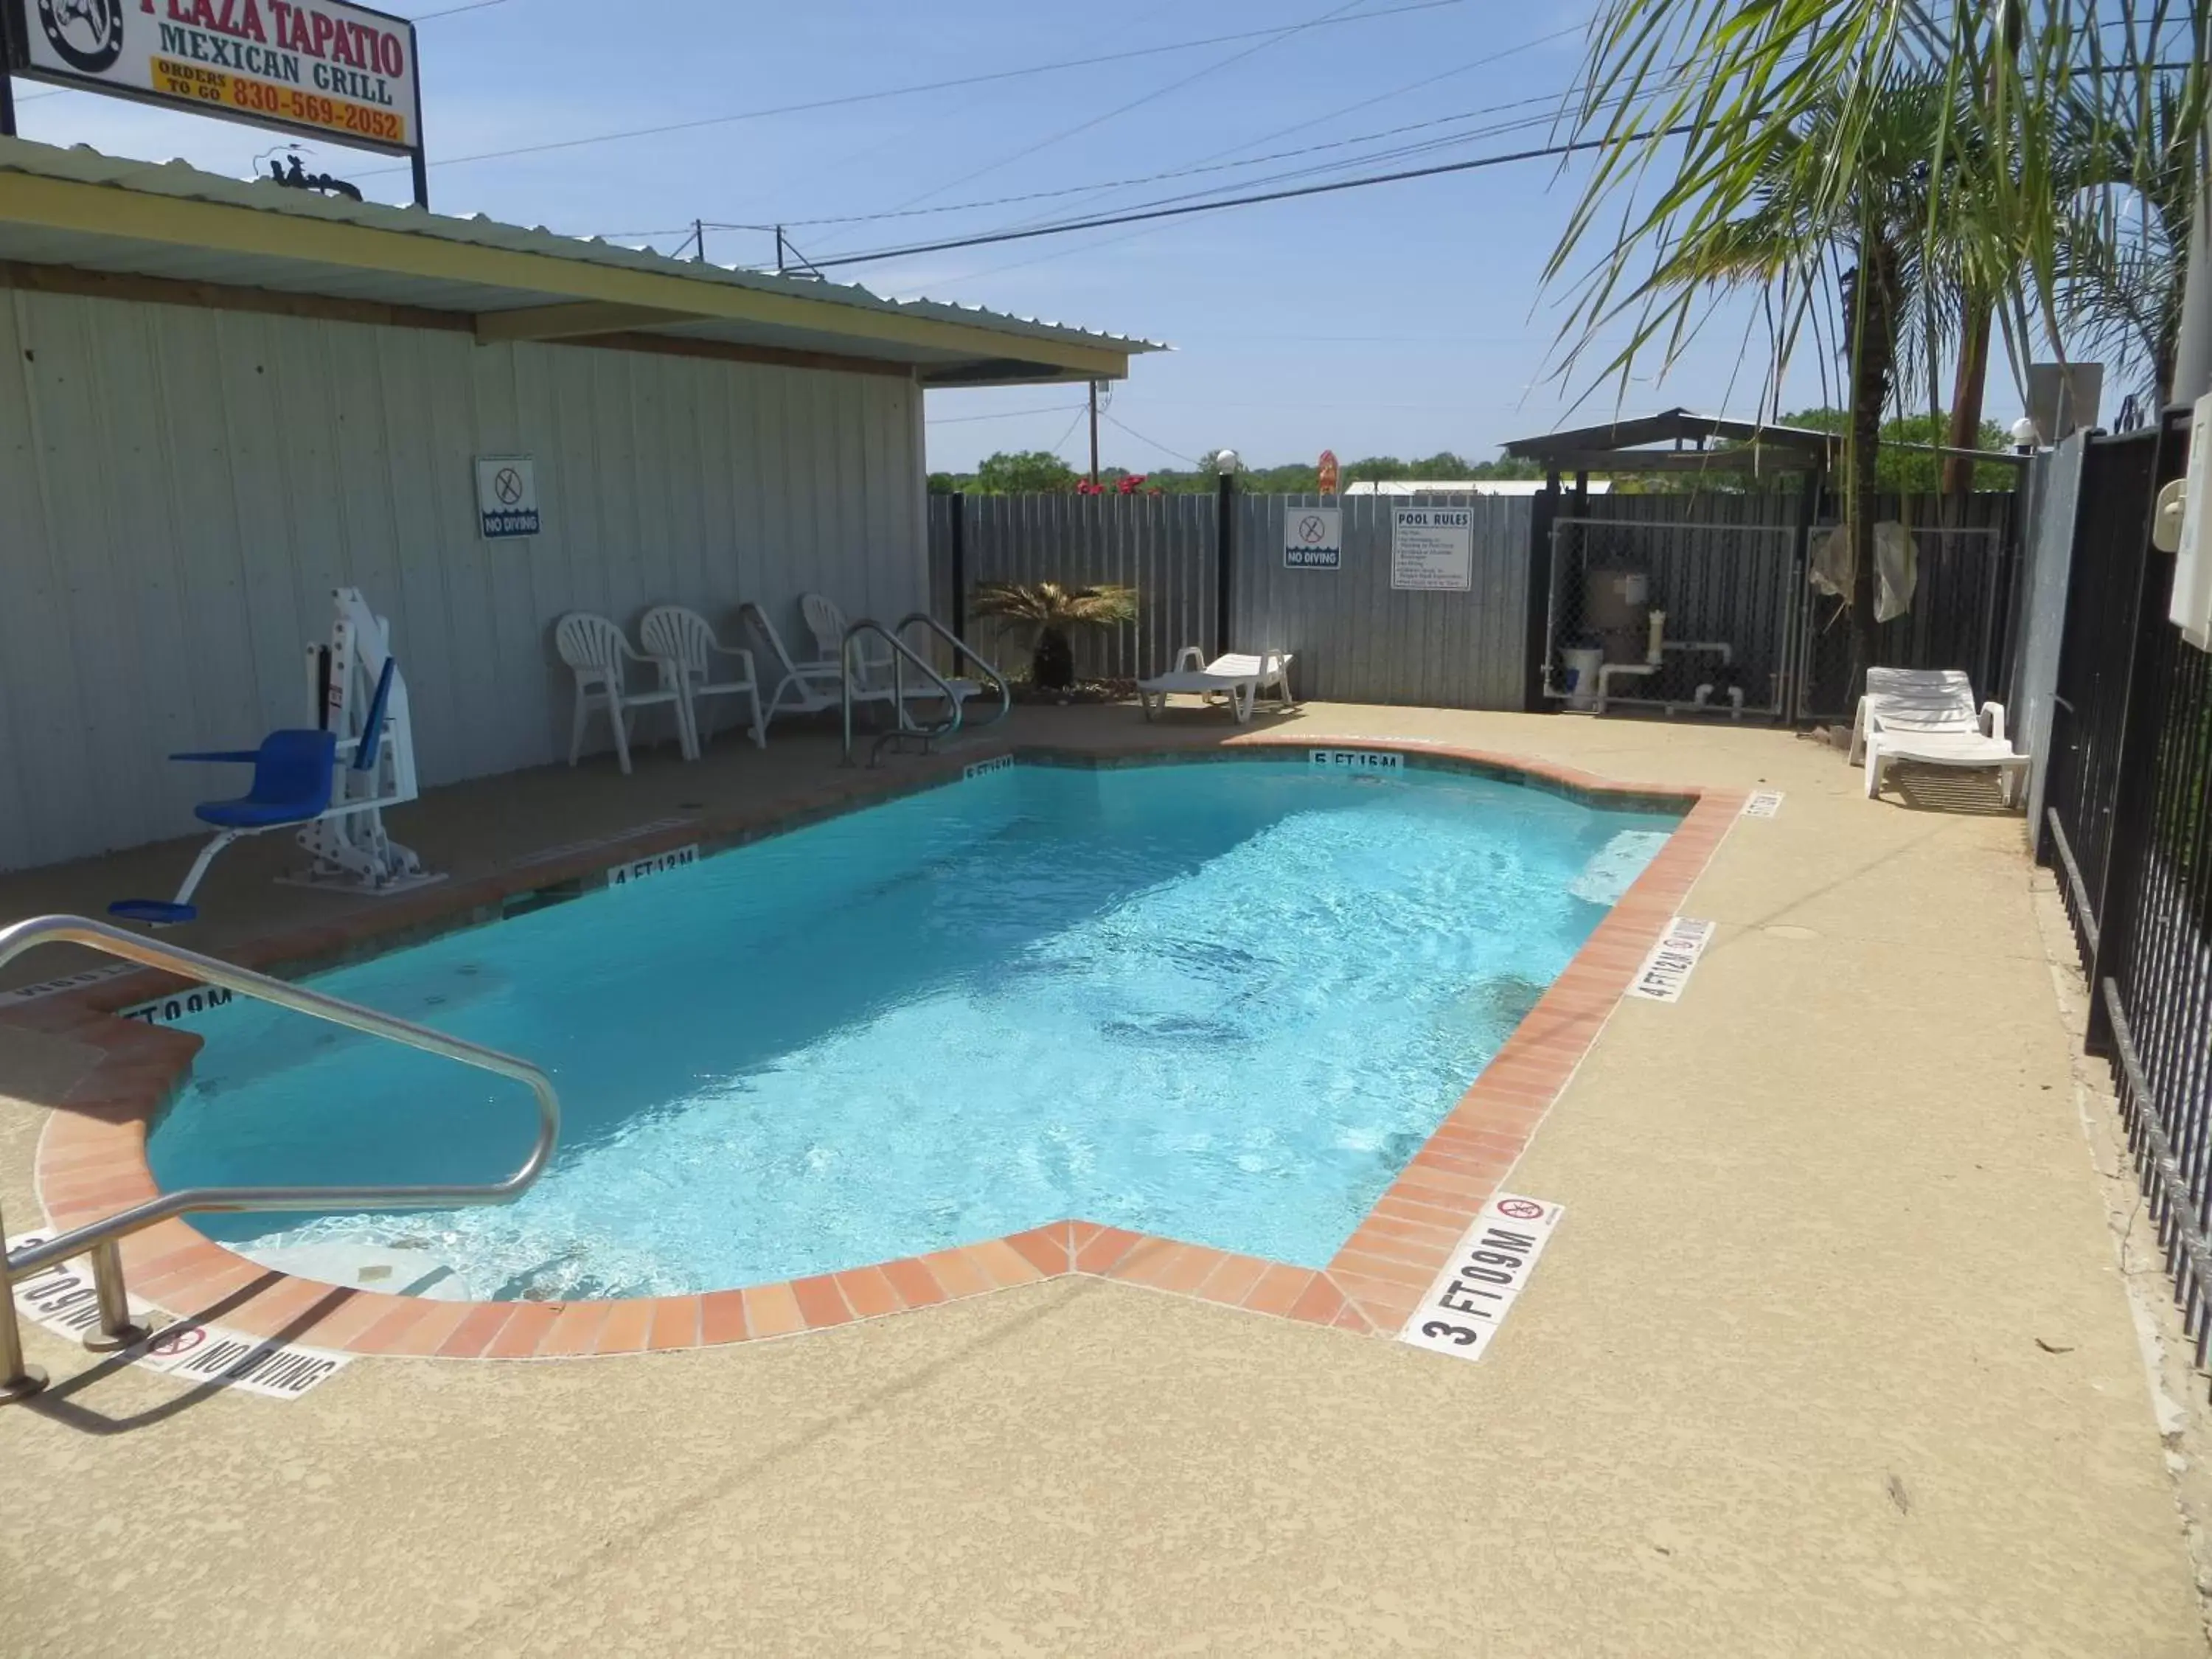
(102, 1240)
(904, 725)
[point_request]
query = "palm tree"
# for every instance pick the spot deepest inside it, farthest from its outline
(1683, 98)
(2133, 185)
(1050, 610)
(1793, 228)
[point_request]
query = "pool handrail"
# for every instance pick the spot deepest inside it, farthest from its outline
(962, 648)
(901, 655)
(100, 1239)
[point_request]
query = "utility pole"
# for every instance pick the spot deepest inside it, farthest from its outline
(699, 241)
(778, 250)
(1094, 435)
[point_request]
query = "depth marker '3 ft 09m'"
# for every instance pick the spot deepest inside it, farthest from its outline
(1469, 1300)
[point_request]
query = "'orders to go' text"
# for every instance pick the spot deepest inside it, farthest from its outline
(212, 86)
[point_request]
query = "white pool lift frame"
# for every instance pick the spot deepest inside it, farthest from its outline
(347, 847)
(347, 844)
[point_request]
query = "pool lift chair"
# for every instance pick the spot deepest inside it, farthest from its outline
(331, 783)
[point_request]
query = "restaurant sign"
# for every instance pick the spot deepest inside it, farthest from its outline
(315, 67)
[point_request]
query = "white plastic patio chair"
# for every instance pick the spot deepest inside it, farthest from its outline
(1929, 715)
(687, 639)
(596, 653)
(825, 621)
(1239, 680)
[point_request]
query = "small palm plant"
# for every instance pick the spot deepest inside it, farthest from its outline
(1050, 611)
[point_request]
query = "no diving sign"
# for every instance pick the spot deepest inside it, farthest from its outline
(1313, 538)
(62, 1297)
(506, 496)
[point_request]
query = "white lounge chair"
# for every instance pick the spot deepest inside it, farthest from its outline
(687, 639)
(596, 651)
(1239, 680)
(1929, 715)
(809, 688)
(825, 621)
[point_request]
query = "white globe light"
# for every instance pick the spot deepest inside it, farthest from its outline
(1226, 460)
(2024, 432)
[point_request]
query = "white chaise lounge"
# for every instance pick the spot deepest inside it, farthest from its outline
(1929, 715)
(811, 687)
(1239, 679)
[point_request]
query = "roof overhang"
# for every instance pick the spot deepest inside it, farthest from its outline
(80, 211)
(1622, 446)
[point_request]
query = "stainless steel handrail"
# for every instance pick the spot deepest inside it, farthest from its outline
(99, 1238)
(962, 648)
(901, 655)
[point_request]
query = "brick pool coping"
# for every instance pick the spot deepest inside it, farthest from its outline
(92, 1155)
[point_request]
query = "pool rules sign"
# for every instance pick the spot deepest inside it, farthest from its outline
(316, 67)
(1432, 549)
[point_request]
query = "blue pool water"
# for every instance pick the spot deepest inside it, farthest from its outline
(1223, 1002)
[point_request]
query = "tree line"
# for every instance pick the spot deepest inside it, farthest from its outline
(1899, 470)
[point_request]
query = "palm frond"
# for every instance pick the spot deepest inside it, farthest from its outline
(1051, 605)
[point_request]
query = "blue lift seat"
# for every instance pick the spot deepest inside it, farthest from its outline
(292, 775)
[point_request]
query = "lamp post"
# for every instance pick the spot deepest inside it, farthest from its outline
(1224, 463)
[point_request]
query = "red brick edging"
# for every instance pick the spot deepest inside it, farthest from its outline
(92, 1155)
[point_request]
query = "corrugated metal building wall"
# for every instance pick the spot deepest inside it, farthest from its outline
(181, 487)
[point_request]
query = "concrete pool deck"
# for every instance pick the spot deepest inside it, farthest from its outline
(1830, 1355)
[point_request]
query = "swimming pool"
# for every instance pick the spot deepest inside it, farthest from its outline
(1219, 1002)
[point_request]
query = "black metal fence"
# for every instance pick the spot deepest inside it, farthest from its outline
(2128, 824)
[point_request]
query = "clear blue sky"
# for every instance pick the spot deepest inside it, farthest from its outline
(1405, 319)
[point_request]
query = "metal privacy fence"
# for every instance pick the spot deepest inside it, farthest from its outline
(1728, 570)
(1721, 564)
(1356, 637)
(2127, 822)
(1160, 545)
(1965, 570)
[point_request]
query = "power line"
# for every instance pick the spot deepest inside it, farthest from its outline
(846, 99)
(1137, 217)
(1005, 414)
(1081, 410)
(1172, 454)
(1481, 62)
(1335, 14)
(1151, 178)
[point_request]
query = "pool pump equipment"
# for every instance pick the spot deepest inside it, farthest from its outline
(331, 783)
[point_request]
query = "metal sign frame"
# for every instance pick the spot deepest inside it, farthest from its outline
(15, 60)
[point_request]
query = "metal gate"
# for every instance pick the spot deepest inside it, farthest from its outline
(1960, 604)
(1674, 616)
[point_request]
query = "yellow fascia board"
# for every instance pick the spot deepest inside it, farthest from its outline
(108, 211)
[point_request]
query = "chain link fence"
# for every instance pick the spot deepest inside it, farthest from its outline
(1680, 615)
